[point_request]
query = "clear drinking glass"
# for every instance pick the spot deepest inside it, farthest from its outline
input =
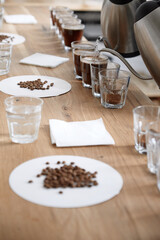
(113, 87)
(95, 76)
(23, 118)
(142, 116)
(152, 137)
(5, 57)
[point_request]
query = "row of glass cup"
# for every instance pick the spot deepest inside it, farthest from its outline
(105, 78)
(146, 121)
(66, 24)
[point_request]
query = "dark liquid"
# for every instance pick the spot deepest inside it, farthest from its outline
(71, 35)
(77, 64)
(85, 67)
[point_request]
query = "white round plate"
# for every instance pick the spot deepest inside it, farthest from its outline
(109, 185)
(17, 39)
(9, 86)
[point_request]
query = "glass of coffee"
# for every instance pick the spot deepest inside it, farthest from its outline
(97, 60)
(95, 75)
(72, 32)
(78, 49)
(71, 20)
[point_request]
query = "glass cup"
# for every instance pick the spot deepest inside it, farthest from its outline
(113, 87)
(95, 76)
(59, 15)
(23, 118)
(5, 57)
(78, 49)
(70, 20)
(96, 59)
(72, 33)
(152, 137)
(142, 116)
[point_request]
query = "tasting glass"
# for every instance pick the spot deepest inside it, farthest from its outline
(59, 15)
(152, 138)
(96, 59)
(71, 20)
(5, 57)
(78, 49)
(113, 87)
(95, 76)
(142, 116)
(72, 32)
(23, 118)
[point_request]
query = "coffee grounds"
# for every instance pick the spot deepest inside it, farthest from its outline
(35, 85)
(70, 176)
(5, 37)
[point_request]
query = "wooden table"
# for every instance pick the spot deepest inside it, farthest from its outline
(134, 213)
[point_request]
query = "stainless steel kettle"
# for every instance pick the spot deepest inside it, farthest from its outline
(117, 21)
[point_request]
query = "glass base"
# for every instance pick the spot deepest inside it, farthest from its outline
(23, 139)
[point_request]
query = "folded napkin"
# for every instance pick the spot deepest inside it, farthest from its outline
(44, 60)
(84, 133)
(20, 19)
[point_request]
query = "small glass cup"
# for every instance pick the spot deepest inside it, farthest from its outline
(152, 137)
(78, 49)
(5, 57)
(53, 14)
(23, 118)
(142, 116)
(72, 33)
(95, 76)
(71, 20)
(96, 59)
(113, 87)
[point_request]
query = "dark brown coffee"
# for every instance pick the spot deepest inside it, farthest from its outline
(97, 61)
(72, 33)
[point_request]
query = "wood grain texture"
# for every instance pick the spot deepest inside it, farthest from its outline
(132, 215)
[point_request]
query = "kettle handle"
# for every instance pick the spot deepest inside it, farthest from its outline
(125, 62)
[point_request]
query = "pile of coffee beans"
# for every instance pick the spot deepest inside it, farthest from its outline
(70, 176)
(5, 37)
(35, 85)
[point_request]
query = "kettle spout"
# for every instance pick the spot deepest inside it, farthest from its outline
(115, 53)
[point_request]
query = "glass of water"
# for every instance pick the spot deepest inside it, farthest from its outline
(5, 57)
(142, 116)
(23, 118)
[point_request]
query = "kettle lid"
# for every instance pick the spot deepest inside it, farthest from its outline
(146, 8)
(121, 2)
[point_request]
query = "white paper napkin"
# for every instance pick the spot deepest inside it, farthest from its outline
(20, 19)
(44, 60)
(84, 133)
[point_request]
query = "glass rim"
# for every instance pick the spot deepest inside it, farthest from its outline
(27, 97)
(145, 107)
(80, 25)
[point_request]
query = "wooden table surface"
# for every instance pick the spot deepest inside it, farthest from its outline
(134, 213)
